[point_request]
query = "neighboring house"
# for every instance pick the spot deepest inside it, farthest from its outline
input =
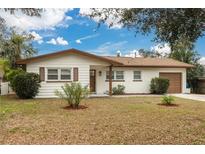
(135, 74)
(1, 78)
(201, 83)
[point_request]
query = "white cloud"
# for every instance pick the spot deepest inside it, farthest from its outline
(111, 19)
(37, 37)
(58, 41)
(68, 18)
(79, 41)
(61, 41)
(50, 18)
(163, 49)
(52, 41)
(202, 61)
(133, 53)
(108, 47)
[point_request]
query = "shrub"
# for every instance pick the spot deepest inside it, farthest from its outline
(12, 73)
(159, 85)
(119, 90)
(9, 75)
(26, 85)
(167, 100)
(73, 93)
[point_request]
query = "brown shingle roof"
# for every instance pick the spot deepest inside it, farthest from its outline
(116, 61)
(149, 62)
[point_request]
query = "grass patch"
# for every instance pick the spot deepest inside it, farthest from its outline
(133, 120)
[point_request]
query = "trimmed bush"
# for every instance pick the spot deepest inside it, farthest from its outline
(159, 85)
(73, 93)
(11, 74)
(119, 90)
(26, 85)
(167, 100)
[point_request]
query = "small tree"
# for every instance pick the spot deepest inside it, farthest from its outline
(73, 93)
(159, 85)
(167, 100)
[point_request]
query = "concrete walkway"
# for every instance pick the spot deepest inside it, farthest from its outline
(116, 96)
(197, 97)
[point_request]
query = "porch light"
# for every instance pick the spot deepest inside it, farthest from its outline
(100, 73)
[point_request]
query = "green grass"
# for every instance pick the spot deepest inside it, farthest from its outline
(133, 120)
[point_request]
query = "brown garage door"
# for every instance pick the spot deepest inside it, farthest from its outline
(175, 81)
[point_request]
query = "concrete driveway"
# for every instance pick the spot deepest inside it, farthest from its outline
(197, 97)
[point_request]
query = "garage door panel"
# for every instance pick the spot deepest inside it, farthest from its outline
(175, 81)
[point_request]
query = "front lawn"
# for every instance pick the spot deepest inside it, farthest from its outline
(133, 120)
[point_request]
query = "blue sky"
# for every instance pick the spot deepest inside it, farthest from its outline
(102, 40)
(59, 30)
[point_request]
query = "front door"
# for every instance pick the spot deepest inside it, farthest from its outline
(92, 80)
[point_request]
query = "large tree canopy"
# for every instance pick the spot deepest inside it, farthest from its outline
(169, 25)
(17, 47)
(12, 45)
(6, 32)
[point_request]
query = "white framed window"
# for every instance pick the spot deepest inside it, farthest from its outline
(116, 75)
(58, 74)
(52, 74)
(137, 75)
(108, 75)
(65, 74)
(119, 75)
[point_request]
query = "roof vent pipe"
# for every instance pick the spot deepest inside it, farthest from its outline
(118, 53)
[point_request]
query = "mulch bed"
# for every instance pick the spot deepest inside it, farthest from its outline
(170, 105)
(80, 107)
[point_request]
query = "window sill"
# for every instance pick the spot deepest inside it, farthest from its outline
(115, 80)
(137, 80)
(58, 81)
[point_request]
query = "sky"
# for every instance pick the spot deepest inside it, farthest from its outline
(60, 29)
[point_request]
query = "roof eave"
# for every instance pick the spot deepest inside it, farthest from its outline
(25, 61)
(162, 66)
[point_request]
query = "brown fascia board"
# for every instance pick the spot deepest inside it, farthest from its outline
(75, 51)
(190, 66)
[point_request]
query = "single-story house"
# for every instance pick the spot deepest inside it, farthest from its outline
(102, 73)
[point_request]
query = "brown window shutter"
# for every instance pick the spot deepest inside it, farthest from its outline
(42, 73)
(75, 74)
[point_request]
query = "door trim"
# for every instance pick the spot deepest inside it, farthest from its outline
(94, 80)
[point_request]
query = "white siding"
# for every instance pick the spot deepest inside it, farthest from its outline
(136, 87)
(83, 63)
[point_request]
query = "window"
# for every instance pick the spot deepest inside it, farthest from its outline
(52, 74)
(107, 75)
(137, 75)
(65, 74)
(58, 74)
(116, 75)
(119, 75)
